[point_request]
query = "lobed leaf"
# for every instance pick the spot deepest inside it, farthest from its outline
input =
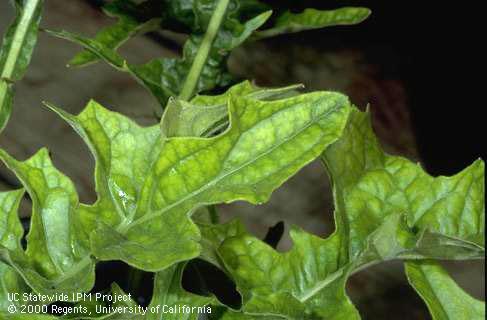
(57, 258)
(204, 116)
(370, 186)
(144, 203)
(148, 185)
(387, 207)
(307, 282)
(11, 283)
(10, 235)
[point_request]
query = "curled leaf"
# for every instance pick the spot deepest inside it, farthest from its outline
(57, 259)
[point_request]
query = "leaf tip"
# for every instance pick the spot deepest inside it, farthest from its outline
(367, 12)
(43, 152)
(49, 105)
(266, 15)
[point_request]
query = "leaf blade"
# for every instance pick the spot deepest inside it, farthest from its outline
(314, 19)
(153, 192)
(371, 185)
(444, 298)
(56, 259)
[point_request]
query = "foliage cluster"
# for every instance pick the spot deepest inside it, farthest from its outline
(157, 185)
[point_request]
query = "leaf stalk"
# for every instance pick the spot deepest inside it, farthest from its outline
(10, 71)
(203, 51)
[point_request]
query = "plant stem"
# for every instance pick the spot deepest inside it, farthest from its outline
(199, 62)
(19, 37)
(201, 56)
(214, 218)
(10, 72)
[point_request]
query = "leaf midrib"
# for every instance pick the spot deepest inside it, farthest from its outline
(320, 285)
(221, 177)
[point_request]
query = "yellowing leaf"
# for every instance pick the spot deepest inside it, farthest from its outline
(148, 185)
(57, 259)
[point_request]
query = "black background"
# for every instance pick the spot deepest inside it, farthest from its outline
(435, 48)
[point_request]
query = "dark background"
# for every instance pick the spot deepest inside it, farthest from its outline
(436, 49)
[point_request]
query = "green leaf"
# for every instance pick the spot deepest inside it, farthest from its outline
(212, 237)
(11, 283)
(6, 101)
(168, 293)
(11, 230)
(101, 50)
(20, 39)
(387, 207)
(164, 77)
(314, 19)
(125, 308)
(444, 298)
(11, 233)
(374, 222)
(133, 19)
(171, 73)
(193, 119)
(114, 36)
(56, 259)
(307, 282)
(145, 199)
(16, 51)
(370, 186)
(206, 115)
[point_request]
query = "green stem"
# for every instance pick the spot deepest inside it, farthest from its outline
(203, 51)
(199, 62)
(10, 72)
(20, 34)
(214, 218)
